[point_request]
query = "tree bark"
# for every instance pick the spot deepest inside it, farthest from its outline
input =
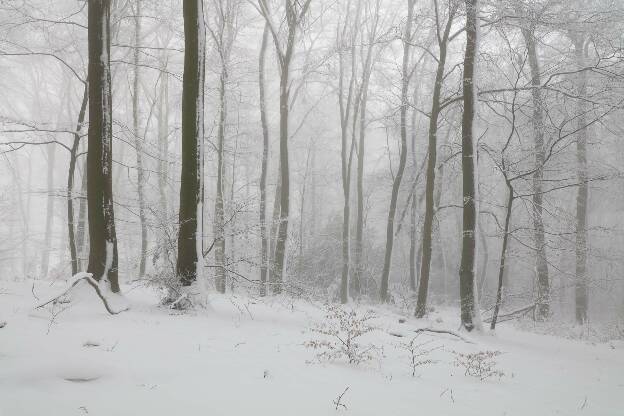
(191, 180)
(102, 236)
(467, 266)
(402, 157)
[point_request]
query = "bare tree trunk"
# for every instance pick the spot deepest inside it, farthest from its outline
(138, 140)
(361, 154)
(263, 169)
(70, 184)
(467, 268)
(581, 291)
(45, 257)
(541, 263)
(427, 236)
(503, 255)
(219, 225)
(191, 185)
(81, 229)
(403, 154)
(102, 236)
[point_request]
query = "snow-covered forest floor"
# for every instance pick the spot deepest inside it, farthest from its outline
(247, 356)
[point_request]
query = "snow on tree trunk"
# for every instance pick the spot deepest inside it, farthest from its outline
(190, 255)
(99, 158)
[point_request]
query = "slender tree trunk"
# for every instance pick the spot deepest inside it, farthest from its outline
(138, 142)
(219, 225)
(467, 267)
(581, 291)
(102, 236)
(361, 154)
(282, 231)
(191, 183)
(541, 263)
(81, 229)
(70, 184)
(503, 256)
(163, 142)
(45, 257)
(263, 169)
(427, 236)
(403, 154)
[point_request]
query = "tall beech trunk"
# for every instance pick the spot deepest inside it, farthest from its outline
(467, 266)
(265, 158)
(81, 228)
(396, 185)
(219, 225)
(541, 263)
(581, 290)
(191, 181)
(138, 141)
(427, 236)
(102, 236)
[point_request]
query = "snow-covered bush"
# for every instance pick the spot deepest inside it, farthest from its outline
(480, 364)
(339, 336)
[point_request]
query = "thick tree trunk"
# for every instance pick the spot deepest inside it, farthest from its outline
(191, 189)
(581, 291)
(467, 267)
(138, 141)
(427, 236)
(402, 157)
(541, 263)
(264, 167)
(102, 236)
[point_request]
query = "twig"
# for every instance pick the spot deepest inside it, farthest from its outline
(337, 400)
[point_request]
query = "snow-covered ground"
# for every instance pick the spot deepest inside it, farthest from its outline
(249, 357)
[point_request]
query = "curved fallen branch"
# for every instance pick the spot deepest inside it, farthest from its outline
(88, 277)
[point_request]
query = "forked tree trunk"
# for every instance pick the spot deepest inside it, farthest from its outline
(102, 236)
(467, 266)
(396, 185)
(191, 189)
